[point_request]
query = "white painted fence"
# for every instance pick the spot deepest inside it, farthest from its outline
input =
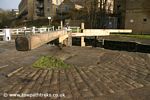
(25, 31)
(28, 30)
(74, 30)
(32, 30)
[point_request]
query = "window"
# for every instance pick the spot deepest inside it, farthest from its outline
(144, 19)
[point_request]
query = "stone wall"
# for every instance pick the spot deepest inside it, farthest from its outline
(40, 39)
(138, 16)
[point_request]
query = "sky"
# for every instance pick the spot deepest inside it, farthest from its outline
(9, 4)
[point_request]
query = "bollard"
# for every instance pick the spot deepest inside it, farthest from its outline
(7, 35)
(22, 43)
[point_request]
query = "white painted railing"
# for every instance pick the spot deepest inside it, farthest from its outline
(1, 32)
(24, 30)
(18, 31)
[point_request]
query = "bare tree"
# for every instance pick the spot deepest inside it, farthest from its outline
(94, 12)
(98, 13)
(5, 18)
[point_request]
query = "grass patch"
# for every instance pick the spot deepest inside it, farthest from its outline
(50, 63)
(135, 36)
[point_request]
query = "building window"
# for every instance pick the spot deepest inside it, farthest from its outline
(66, 8)
(118, 6)
(144, 19)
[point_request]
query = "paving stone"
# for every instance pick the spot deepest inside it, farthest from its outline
(37, 75)
(73, 85)
(48, 78)
(115, 75)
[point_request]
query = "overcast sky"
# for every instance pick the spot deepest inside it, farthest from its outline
(9, 4)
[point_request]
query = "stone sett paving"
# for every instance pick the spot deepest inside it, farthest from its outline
(96, 74)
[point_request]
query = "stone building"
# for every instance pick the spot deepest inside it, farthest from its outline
(133, 14)
(38, 9)
(26, 9)
(138, 16)
(68, 10)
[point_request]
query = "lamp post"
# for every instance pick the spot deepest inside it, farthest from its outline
(49, 18)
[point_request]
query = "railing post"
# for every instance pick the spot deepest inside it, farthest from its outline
(25, 30)
(48, 29)
(82, 38)
(33, 30)
(17, 31)
(53, 28)
(40, 30)
(77, 29)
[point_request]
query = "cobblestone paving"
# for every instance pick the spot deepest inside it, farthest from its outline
(112, 73)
